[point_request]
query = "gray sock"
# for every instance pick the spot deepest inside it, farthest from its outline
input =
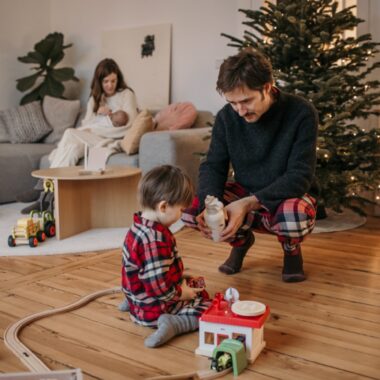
(124, 306)
(169, 326)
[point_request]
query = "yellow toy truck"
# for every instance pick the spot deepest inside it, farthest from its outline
(33, 229)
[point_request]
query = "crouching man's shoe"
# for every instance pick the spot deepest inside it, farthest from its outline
(293, 268)
(235, 261)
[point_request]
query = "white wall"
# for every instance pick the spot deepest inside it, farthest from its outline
(197, 46)
(22, 24)
(196, 41)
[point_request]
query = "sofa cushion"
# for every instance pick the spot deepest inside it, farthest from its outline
(4, 136)
(175, 116)
(60, 114)
(17, 161)
(142, 124)
(25, 124)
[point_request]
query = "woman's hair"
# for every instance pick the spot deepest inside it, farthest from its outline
(247, 68)
(104, 68)
(165, 183)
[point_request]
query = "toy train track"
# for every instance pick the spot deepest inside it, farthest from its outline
(34, 364)
(29, 359)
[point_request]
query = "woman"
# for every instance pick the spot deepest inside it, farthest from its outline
(109, 93)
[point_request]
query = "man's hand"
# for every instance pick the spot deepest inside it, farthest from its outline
(236, 212)
(189, 293)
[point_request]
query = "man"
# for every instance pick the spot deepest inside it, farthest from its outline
(269, 138)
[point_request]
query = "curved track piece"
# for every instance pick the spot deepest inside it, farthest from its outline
(29, 359)
(34, 364)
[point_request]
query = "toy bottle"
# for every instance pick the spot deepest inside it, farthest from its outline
(214, 216)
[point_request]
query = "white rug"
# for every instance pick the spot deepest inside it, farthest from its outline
(109, 238)
(89, 241)
(347, 220)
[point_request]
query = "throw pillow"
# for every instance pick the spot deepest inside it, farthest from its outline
(60, 114)
(176, 116)
(142, 124)
(4, 137)
(25, 124)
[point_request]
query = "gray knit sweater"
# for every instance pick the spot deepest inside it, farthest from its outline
(273, 158)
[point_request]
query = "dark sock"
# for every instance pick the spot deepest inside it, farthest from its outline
(235, 260)
(293, 267)
(169, 326)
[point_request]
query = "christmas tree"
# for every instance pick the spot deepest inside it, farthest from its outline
(311, 57)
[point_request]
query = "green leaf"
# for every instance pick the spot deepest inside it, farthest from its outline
(32, 57)
(62, 74)
(31, 97)
(51, 87)
(50, 45)
(57, 53)
(26, 83)
(57, 58)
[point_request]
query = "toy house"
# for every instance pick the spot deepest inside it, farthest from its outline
(219, 323)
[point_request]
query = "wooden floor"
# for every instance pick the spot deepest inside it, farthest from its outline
(327, 327)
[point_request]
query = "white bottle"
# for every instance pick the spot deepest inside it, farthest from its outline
(214, 216)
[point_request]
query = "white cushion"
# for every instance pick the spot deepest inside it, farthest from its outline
(60, 114)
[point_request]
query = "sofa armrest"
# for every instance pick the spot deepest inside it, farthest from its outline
(176, 148)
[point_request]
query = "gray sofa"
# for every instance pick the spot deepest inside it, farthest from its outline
(177, 147)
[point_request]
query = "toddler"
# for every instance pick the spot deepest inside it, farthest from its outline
(156, 291)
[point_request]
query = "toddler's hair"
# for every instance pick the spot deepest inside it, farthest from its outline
(165, 183)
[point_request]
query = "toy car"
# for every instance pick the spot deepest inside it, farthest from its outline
(33, 229)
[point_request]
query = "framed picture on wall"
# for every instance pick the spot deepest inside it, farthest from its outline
(143, 54)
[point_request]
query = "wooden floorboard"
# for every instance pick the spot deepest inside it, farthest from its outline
(327, 327)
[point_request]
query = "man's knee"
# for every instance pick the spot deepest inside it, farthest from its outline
(295, 218)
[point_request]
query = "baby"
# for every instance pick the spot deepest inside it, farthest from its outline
(99, 122)
(157, 292)
(118, 118)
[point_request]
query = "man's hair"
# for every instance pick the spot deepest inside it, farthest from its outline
(165, 183)
(247, 68)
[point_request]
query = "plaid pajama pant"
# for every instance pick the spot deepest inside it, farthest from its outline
(292, 221)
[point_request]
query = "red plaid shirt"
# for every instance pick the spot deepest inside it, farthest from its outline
(152, 271)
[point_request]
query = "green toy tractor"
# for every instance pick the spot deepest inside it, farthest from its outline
(33, 229)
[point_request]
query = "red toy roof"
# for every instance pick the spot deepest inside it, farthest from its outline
(222, 314)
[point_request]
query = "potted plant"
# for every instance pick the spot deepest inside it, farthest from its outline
(47, 80)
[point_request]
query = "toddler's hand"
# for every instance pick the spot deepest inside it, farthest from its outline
(189, 293)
